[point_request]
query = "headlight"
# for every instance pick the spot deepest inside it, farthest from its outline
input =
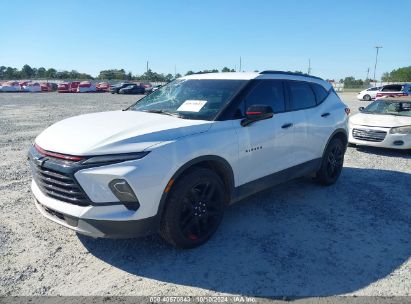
(114, 158)
(401, 130)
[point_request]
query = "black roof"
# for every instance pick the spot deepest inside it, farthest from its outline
(290, 73)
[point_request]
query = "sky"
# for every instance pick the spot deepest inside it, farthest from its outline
(339, 37)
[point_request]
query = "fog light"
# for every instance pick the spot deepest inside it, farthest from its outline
(122, 190)
(398, 142)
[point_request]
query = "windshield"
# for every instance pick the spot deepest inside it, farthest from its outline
(190, 99)
(389, 107)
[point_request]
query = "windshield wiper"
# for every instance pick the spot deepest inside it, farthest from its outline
(162, 112)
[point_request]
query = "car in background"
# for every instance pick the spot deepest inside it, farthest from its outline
(148, 88)
(384, 123)
(86, 87)
(368, 94)
(103, 87)
(155, 88)
(114, 89)
(132, 89)
(48, 86)
(33, 87)
(10, 86)
(68, 87)
(394, 90)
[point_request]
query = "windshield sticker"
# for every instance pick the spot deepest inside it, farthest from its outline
(192, 106)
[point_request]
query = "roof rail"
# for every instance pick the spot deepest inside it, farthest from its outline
(290, 73)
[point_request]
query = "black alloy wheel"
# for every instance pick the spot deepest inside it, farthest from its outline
(332, 163)
(194, 209)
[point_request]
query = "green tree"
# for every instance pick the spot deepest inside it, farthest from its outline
(41, 72)
(169, 77)
(27, 72)
(400, 75)
(11, 73)
(225, 70)
(51, 73)
(2, 71)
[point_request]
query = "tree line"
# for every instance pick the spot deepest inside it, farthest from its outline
(27, 72)
(9, 73)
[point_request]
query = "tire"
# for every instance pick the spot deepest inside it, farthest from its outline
(332, 163)
(194, 209)
(367, 97)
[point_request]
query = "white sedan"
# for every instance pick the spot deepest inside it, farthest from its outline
(368, 94)
(384, 123)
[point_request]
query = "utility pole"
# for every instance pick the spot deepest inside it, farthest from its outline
(175, 71)
(368, 73)
(309, 66)
(375, 66)
(240, 64)
(147, 66)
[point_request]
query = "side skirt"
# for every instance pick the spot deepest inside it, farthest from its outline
(271, 180)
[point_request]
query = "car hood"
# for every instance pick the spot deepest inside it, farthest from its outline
(378, 120)
(115, 132)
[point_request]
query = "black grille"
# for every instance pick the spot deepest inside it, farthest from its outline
(369, 135)
(59, 185)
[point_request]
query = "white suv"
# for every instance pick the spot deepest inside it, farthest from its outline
(368, 94)
(175, 159)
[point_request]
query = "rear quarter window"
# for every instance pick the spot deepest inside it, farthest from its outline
(319, 92)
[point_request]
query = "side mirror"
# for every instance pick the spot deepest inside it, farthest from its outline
(361, 109)
(255, 113)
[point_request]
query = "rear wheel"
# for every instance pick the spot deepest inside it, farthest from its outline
(367, 97)
(332, 163)
(194, 209)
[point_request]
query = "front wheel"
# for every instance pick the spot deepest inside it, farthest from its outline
(367, 97)
(332, 163)
(194, 209)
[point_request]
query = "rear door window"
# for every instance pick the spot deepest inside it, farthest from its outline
(301, 95)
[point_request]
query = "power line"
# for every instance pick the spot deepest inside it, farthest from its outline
(376, 59)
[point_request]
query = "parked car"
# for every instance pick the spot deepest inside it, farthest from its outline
(103, 87)
(172, 162)
(394, 90)
(68, 87)
(32, 87)
(148, 88)
(86, 87)
(384, 123)
(155, 88)
(48, 86)
(114, 89)
(11, 86)
(23, 83)
(132, 89)
(368, 94)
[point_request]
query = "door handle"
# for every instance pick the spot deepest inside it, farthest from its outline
(325, 114)
(287, 125)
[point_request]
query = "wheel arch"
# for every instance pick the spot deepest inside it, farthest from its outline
(340, 134)
(213, 162)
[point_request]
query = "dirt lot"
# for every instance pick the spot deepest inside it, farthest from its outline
(297, 239)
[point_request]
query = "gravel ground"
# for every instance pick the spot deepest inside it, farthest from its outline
(297, 239)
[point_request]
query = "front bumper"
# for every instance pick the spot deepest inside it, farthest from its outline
(96, 211)
(92, 227)
(392, 141)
